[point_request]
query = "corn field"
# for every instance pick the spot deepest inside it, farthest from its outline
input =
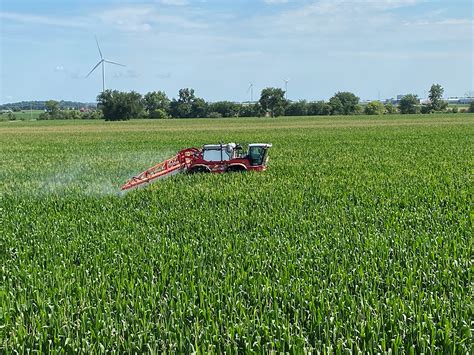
(358, 238)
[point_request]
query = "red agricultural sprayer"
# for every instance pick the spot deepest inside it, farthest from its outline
(211, 158)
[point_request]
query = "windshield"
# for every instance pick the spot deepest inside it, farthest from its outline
(216, 155)
(256, 155)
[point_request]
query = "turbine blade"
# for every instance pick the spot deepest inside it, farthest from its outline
(100, 52)
(109, 61)
(94, 68)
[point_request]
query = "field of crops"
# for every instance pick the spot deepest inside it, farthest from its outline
(22, 115)
(358, 237)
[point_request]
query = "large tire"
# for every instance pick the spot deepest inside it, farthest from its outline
(199, 169)
(236, 169)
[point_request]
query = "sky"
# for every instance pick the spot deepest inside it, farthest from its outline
(374, 48)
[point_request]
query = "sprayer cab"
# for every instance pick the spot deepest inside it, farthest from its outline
(258, 154)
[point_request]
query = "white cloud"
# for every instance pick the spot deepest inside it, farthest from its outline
(44, 20)
(126, 74)
(273, 2)
(174, 2)
(144, 19)
(333, 19)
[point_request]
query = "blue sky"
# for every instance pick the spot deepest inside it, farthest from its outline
(374, 48)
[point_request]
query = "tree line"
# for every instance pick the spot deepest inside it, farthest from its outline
(41, 105)
(117, 105)
(113, 105)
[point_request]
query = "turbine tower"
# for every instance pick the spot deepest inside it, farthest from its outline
(286, 87)
(102, 62)
(251, 91)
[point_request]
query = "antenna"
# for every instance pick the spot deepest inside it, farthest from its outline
(102, 62)
(286, 87)
(251, 91)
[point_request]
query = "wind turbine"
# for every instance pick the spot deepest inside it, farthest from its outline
(251, 91)
(102, 62)
(286, 87)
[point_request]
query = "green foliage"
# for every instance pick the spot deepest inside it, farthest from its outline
(319, 108)
(225, 108)
(357, 239)
(471, 107)
(158, 113)
(390, 109)
(92, 115)
(425, 109)
(199, 108)
(272, 102)
(436, 98)
(250, 110)
(214, 115)
(120, 106)
(70, 114)
(409, 104)
(156, 100)
(374, 108)
(52, 107)
(336, 106)
(44, 116)
(299, 108)
(344, 103)
(188, 105)
(41, 105)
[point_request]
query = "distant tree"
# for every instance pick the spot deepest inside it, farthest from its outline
(120, 106)
(52, 107)
(471, 107)
(374, 108)
(183, 106)
(299, 108)
(409, 104)
(336, 106)
(272, 101)
(390, 109)
(199, 108)
(156, 100)
(225, 108)
(180, 110)
(344, 103)
(43, 116)
(319, 108)
(436, 98)
(214, 115)
(249, 110)
(158, 113)
(92, 115)
(425, 109)
(70, 115)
